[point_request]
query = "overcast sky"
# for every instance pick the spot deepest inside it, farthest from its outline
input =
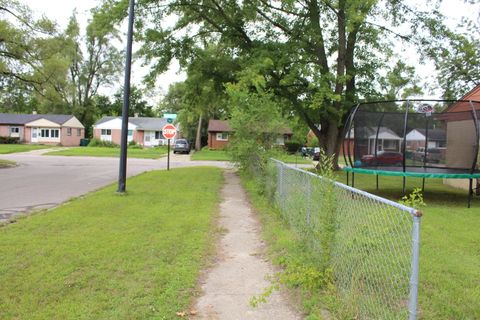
(61, 10)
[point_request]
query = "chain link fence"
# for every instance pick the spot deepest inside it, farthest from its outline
(369, 243)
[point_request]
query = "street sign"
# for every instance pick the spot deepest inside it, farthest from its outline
(169, 131)
(169, 120)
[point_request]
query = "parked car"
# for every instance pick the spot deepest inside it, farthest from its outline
(181, 146)
(433, 155)
(307, 152)
(383, 158)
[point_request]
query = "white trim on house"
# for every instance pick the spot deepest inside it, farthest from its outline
(49, 135)
(106, 134)
(73, 123)
(220, 136)
(14, 131)
(154, 138)
(114, 124)
(43, 123)
(414, 135)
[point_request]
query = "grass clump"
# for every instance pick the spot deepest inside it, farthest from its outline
(7, 163)
(106, 256)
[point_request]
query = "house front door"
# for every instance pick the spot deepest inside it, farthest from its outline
(34, 135)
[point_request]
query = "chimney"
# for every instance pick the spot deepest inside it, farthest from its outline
(34, 112)
(135, 114)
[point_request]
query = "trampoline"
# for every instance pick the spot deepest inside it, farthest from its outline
(409, 138)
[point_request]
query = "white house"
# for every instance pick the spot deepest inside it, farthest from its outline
(143, 130)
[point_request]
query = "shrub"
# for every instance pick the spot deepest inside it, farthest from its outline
(292, 146)
(9, 140)
(133, 145)
(99, 143)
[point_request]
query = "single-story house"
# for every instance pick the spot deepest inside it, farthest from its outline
(417, 138)
(145, 131)
(365, 137)
(59, 129)
(220, 133)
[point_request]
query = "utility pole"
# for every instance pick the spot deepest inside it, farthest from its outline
(122, 175)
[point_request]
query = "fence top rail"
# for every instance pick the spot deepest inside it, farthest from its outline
(397, 205)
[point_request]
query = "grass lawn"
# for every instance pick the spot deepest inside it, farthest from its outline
(450, 242)
(213, 155)
(149, 153)
(7, 163)
(108, 256)
(13, 148)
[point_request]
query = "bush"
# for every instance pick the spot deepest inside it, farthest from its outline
(292, 147)
(133, 145)
(99, 143)
(9, 140)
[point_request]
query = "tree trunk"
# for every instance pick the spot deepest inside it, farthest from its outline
(198, 138)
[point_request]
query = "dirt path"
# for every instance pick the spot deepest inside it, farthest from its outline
(240, 271)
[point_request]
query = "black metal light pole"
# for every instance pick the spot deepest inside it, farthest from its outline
(122, 175)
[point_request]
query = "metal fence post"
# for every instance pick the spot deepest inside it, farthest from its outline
(309, 198)
(280, 185)
(412, 306)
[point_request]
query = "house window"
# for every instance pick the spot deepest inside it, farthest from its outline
(14, 130)
(106, 132)
(130, 133)
(69, 131)
(222, 136)
(79, 132)
(45, 133)
(49, 133)
(157, 135)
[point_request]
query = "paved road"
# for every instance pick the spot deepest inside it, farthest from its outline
(46, 181)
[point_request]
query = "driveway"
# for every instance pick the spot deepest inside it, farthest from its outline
(46, 181)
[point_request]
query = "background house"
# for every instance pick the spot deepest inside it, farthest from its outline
(417, 138)
(220, 133)
(65, 130)
(145, 131)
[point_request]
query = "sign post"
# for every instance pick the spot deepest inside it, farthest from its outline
(168, 154)
(169, 132)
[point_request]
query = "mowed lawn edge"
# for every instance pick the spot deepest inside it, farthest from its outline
(16, 148)
(111, 256)
(147, 153)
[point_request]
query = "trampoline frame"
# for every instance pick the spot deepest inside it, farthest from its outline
(469, 174)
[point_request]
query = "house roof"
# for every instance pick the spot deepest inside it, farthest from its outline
(434, 134)
(223, 126)
(462, 105)
(371, 133)
(219, 126)
(18, 118)
(142, 123)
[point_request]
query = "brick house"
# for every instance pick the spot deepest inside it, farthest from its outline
(461, 132)
(145, 131)
(220, 133)
(65, 130)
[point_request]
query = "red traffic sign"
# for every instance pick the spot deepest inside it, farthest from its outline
(169, 131)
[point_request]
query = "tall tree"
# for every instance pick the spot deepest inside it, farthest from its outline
(28, 49)
(320, 56)
(94, 62)
(202, 95)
